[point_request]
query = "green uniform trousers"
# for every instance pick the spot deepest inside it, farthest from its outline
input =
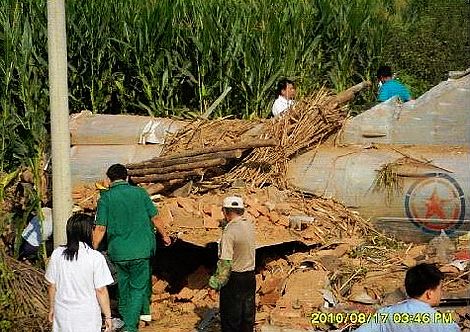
(133, 283)
(148, 294)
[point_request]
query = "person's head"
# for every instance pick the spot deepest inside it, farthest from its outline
(286, 88)
(117, 172)
(423, 282)
(384, 73)
(232, 207)
(79, 229)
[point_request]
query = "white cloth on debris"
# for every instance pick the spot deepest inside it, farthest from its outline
(156, 130)
(76, 307)
(34, 233)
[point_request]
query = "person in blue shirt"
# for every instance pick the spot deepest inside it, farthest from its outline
(423, 284)
(390, 87)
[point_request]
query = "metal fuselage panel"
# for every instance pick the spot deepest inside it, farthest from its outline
(427, 198)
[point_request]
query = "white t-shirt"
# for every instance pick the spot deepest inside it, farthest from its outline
(76, 307)
(281, 104)
(32, 233)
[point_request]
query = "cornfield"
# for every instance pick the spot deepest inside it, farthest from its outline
(177, 57)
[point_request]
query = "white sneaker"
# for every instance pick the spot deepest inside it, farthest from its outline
(146, 318)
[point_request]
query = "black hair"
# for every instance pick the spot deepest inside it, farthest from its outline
(79, 229)
(422, 277)
(384, 71)
(238, 211)
(282, 85)
(117, 172)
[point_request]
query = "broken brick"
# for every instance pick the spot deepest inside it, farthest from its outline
(269, 299)
(216, 212)
(186, 203)
(210, 222)
(253, 211)
(271, 284)
(158, 285)
(283, 221)
(185, 294)
(274, 216)
(165, 214)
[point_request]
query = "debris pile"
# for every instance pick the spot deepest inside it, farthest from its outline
(280, 216)
(220, 152)
(315, 255)
(356, 272)
(24, 301)
(344, 266)
(311, 121)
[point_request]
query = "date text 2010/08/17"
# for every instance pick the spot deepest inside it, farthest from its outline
(321, 318)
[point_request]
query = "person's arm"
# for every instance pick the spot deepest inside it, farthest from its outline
(98, 234)
(51, 289)
(221, 275)
(224, 264)
(103, 300)
(160, 226)
(101, 221)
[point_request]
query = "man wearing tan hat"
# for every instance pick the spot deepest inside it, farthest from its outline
(235, 275)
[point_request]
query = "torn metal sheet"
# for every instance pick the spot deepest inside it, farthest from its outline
(87, 128)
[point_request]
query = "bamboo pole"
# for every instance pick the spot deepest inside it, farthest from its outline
(239, 146)
(178, 167)
(235, 154)
(60, 135)
(155, 188)
(166, 177)
(349, 94)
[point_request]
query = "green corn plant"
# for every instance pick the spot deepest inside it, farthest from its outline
(177, 57)
(23, 97)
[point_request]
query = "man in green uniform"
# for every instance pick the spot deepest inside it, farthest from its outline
(125, 214)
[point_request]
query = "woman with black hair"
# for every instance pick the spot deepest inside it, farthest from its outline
(77, 276)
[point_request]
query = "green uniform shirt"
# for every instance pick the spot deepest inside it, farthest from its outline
(126, 212)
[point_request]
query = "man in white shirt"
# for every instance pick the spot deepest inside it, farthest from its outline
(286, 94)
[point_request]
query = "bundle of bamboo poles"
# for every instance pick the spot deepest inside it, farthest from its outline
(204, 144)
(309, 122)
(176, 167)
(201, 134)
